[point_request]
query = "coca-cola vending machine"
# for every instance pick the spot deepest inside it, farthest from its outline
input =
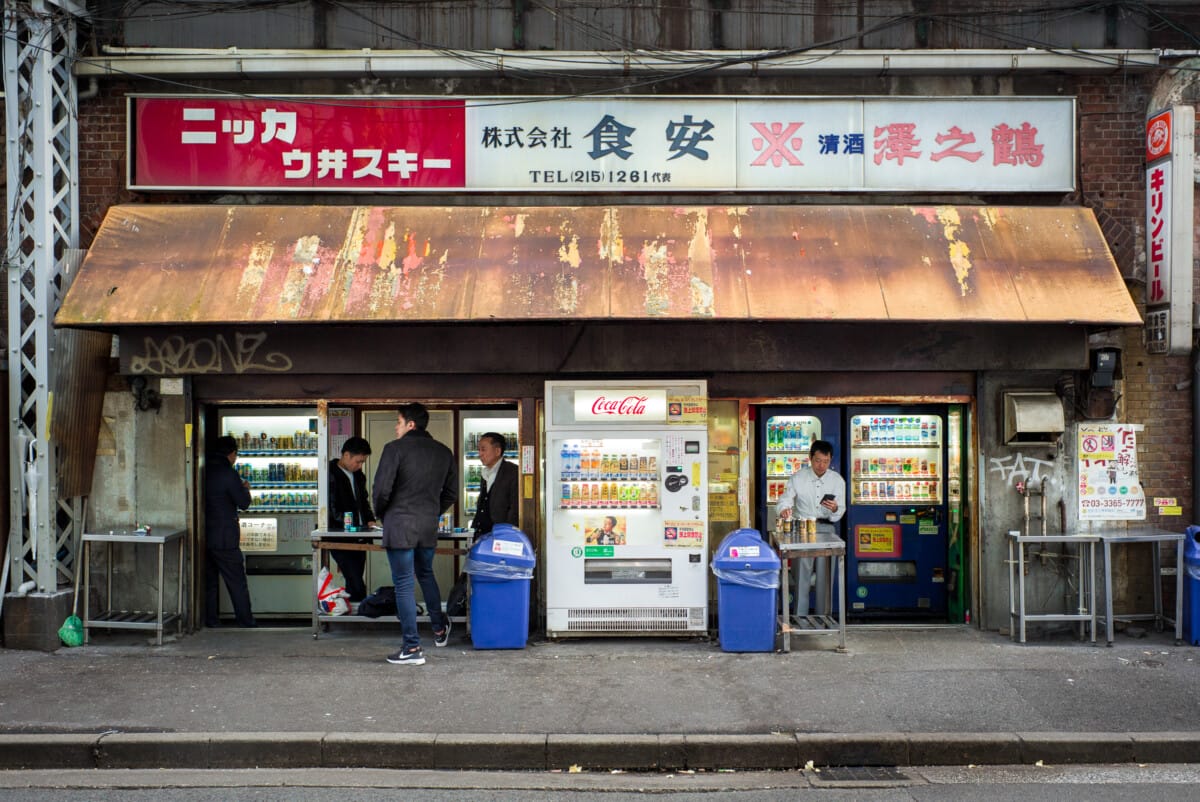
(626, 507)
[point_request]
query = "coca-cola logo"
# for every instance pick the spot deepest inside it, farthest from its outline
(629, 405)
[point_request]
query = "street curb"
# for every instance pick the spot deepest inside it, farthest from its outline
(48, 751)
(559, 752)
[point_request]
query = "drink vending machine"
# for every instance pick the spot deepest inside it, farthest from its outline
(896, 521)
(626, 507)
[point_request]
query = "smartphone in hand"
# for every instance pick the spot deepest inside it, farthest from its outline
(828, 497)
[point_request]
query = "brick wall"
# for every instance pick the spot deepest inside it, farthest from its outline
(101, 158)
(1112, 169)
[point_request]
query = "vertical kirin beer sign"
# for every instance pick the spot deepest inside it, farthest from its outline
(1170, 148)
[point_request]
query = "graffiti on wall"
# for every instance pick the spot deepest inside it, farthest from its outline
(1020, 468)
(177, 355)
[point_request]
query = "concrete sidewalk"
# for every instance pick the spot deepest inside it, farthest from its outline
(278, 698)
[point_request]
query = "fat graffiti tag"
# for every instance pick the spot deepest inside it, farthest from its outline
(1018, 466)
(178, 355)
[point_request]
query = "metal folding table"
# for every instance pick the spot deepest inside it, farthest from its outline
(827, 545)
(1085, 611)
(1155, 537)
(132, 619)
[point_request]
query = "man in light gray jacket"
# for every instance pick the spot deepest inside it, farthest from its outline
(414, 484)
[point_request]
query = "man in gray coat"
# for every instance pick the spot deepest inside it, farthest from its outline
(414, 484)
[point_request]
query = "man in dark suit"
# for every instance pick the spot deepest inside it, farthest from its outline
(497, 502)
(414, 485)
(225, 493)
(348, 494)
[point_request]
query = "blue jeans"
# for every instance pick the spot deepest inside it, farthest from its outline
(405, 563)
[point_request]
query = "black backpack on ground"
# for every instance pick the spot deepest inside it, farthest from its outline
(380, 603)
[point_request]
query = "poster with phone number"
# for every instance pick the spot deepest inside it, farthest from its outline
(1109, 488)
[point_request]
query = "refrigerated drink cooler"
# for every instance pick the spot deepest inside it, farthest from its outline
(626, 508)
(896, 521)
(785, 435)
(476, 422)
(277, 454)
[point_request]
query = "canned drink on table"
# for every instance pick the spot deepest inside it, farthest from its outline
(348, 520)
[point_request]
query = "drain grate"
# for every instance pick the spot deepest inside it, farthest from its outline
(862, 774)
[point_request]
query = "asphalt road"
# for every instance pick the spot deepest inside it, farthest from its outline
(932, 784)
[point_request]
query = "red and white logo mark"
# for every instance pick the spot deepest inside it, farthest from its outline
(629, 405)
(1158, 136)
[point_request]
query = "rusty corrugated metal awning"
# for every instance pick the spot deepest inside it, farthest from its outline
(311, 264)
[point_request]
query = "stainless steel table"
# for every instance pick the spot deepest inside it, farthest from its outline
(1155, 537)
(132, 619)
(323, 540)
(1085, 611)
(826, 546)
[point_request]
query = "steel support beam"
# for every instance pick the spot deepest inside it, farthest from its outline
(43, 207)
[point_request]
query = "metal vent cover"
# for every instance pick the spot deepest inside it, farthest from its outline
(635, 619)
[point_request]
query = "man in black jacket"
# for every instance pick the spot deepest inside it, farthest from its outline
(497, 502)
(224, 494)
(414, 485)
(348, 495)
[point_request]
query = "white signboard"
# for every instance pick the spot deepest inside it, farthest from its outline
(1109, 489)
(649, 406)
(998, 144)
(1170, 148)
(604, 143)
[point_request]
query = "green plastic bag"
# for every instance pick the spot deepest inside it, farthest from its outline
(71, 632)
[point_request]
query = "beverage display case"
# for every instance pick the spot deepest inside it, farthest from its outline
(788, 436)
(474, 423)
(896, 459)
(277, 455)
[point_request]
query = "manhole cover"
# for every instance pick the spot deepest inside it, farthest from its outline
(862, 774)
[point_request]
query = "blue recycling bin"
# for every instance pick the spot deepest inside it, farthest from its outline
(1191, 586)
(747, 571)
(501, 567)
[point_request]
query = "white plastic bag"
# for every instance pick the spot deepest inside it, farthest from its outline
(331, 599)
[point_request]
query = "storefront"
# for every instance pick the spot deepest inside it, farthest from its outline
(860, 309)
